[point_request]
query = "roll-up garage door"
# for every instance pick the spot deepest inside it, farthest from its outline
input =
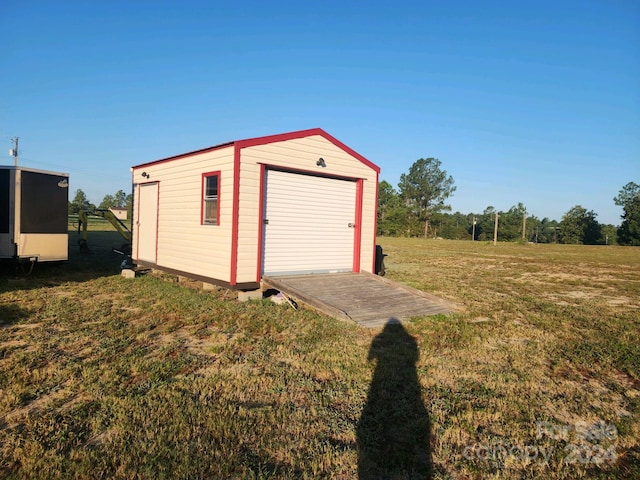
(309, 224)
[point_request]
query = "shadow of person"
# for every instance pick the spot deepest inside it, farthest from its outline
(394, 429)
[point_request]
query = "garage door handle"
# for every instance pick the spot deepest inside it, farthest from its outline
(352, 225)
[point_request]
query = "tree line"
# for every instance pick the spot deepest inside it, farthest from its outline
(120, 199)
(418, 208)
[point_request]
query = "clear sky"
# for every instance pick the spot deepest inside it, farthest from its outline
(532, 102)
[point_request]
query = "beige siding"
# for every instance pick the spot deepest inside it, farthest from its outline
(367, 252)
(249, 230)
(186, 245)
(46, 246)
(183, 243)
(299, 154)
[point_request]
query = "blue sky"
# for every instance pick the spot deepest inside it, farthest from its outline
(532, 102)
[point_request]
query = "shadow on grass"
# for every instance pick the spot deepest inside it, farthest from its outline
(10, 314)
(80, 267)
(394, 430)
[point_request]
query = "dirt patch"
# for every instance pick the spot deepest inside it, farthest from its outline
(579, 294)
(41, 403)
(12, 344)
(480, 320)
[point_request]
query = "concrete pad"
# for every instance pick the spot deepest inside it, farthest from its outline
(249, 295)
(128, 273)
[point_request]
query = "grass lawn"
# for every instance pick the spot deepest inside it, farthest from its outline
(539, 377)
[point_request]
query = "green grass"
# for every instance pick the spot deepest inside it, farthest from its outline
(106, 377)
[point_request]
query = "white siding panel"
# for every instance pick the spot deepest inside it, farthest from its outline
(308, 224)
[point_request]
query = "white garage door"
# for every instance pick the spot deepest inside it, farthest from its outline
(309, 224)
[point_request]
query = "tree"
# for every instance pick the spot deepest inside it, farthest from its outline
(392, 213)
(120, 199)
(629, 231)
(484, 224)
(79, 202)
(627, 194)
(387, 199)
(610, 234)
(629, 199)
(107, 202)
(425, 189)
(580, 226)
(510, 225)
(455, 226)
(547, 231)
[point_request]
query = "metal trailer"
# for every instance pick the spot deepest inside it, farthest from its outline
(33, 215)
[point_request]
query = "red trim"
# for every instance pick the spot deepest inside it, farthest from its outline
(375, 227)
(157, 219)
(206, 175)
(234, 215)
(351, 152)
(252, 142)
(238, 146)
(138, 226)
(156, 182)
(311, 173)
(357, 234)
(261, 226)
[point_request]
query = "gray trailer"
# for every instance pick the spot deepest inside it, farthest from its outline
(33, 215)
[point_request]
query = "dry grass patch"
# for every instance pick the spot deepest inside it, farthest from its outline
(104, 377)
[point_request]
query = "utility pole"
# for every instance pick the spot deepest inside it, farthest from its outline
(14, 151)
(495, 231)
(524, 226)
(473, 230)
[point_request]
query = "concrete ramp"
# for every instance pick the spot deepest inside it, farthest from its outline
(369, 300)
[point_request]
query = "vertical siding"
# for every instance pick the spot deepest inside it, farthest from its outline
(183, 243)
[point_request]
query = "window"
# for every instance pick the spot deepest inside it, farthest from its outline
(210, 198)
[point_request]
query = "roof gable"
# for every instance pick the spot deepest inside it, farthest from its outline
(281, 137)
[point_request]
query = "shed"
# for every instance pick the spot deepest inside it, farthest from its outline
(33, 214)
(288, 204)
(119, 213)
